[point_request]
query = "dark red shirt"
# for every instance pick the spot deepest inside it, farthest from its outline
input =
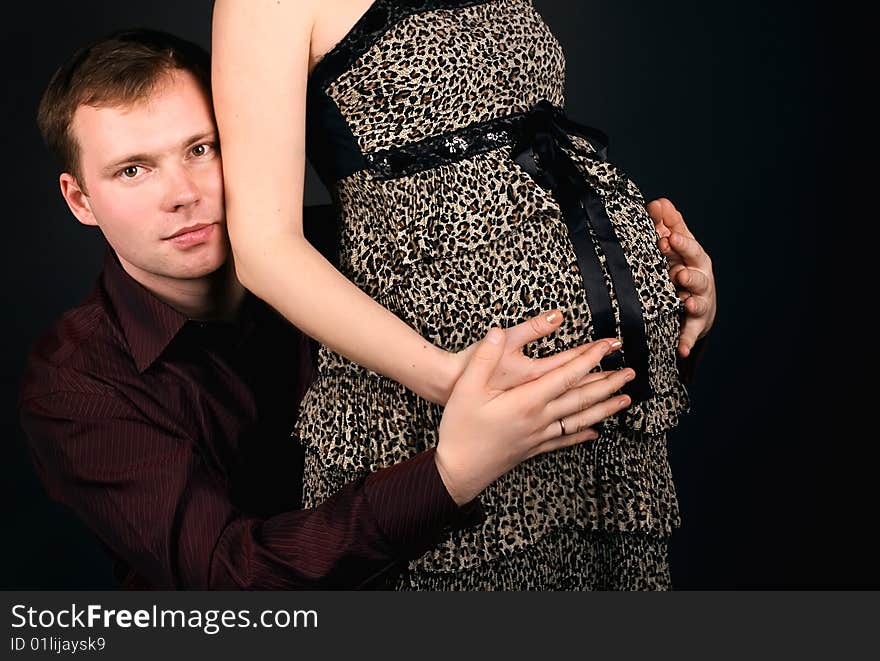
(171, 439)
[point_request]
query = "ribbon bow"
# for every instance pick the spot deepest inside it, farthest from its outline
(542, 134)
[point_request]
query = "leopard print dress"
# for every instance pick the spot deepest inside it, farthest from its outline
(467, 199)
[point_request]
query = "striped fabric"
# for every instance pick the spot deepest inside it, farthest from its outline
(170, 439)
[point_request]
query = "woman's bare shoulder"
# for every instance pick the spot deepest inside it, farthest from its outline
(281, 13)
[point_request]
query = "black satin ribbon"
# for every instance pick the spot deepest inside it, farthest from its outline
(541, 134)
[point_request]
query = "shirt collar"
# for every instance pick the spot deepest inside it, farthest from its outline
(149, 323)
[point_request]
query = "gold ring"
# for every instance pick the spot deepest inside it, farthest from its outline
(562, 425)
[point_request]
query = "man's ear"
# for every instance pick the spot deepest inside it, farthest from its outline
(76, 199)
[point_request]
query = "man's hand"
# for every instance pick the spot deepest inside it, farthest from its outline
(690, 268)
(486, 430)
(514, 367)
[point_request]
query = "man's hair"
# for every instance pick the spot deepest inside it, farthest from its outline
(118, 70)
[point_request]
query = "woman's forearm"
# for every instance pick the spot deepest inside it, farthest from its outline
(260, 90)
(295, 279)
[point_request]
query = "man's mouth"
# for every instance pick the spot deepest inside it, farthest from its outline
(187, 230)
(192, 235)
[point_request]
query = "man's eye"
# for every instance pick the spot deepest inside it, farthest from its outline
(201, 150)
(129, 172)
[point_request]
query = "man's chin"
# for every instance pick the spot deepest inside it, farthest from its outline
(203, 265)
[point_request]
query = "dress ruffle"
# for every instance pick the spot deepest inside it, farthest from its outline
(621, 482)
(567, 559)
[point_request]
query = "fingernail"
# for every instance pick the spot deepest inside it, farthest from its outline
(614, 345)
(494, 336)
(552, 317)
(629, 376)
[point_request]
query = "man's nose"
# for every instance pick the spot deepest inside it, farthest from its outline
(182, 189)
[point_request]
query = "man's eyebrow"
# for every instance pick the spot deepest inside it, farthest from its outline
(140, 158)
(200, 137)
(147, 158)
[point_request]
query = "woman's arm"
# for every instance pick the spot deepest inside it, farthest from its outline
(261, 51)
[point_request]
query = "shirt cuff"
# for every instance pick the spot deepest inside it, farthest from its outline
(413, 508)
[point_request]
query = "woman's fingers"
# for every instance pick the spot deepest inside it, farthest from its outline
(533, 329)
(662, 210)
(697, 306)
(690, 333)
(672, 257)
(692, 279)
(689, 249)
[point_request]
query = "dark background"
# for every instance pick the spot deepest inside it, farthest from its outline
(725, 108)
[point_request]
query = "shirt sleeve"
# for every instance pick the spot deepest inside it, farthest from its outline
(147, 494)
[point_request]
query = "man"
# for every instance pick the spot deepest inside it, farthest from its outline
(159, 410)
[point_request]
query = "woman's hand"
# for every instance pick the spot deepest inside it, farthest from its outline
(690, 268)
(514, 367)
(486, 430)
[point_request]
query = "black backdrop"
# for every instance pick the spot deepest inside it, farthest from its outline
(722, 107)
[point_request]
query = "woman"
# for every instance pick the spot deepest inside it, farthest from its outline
(466, 200)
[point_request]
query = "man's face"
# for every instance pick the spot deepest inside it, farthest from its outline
(154, 180)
